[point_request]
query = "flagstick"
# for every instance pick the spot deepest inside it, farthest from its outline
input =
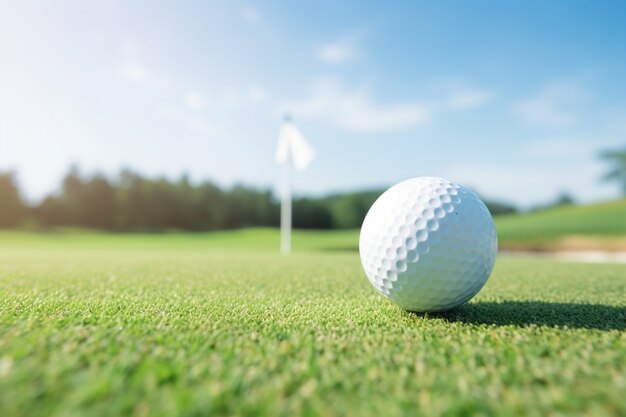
(285, 211)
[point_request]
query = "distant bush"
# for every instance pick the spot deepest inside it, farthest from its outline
(497, 208)
(563, 199)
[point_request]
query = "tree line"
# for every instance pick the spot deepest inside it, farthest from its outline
(132, 202)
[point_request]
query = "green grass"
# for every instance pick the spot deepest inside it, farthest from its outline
(604, 222)
(264, 239)
(175, 324)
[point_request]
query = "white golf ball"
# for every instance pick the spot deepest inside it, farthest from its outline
(428, 244)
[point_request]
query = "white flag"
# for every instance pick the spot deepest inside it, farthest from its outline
(292, 144)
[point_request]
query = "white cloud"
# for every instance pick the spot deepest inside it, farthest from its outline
(196, 122)
(195, 100)
(468, 99)
(338, 51)
(129, 49)
(232, 99)
(186, 107)
(250, 14)
(256, 94)
(356, 111)
(137, 73)
(556, 105)
(133, 72)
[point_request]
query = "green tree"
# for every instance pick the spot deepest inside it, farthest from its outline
(349, 210)
(73, 197)
(311, 214)
(131, 201)
(12, 209)
(208, 207)
(564, 199)
(249, 207)
(617, 171)
(51, 212)
(98, 204)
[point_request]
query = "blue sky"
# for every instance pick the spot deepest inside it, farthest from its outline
(515, 99)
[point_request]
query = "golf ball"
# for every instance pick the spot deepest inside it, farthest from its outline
(428, 244)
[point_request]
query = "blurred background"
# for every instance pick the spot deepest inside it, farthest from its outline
(155, 116)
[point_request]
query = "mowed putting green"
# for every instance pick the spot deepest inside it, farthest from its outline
(170, 325)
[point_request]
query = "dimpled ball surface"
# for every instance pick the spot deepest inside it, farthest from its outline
(428, 244)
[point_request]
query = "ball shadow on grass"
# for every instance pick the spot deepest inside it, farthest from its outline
(539, 313)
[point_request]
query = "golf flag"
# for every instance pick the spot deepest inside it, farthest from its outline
(293, 146)
(292, 150)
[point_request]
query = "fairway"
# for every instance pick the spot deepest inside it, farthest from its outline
(103, 325)
(596, 226)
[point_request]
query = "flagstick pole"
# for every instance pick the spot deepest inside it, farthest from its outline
(285, 211)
